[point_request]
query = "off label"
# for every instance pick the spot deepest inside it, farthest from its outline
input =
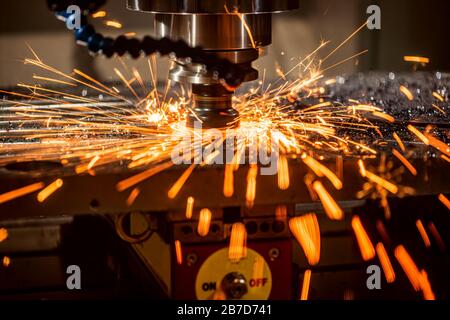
(258, 282)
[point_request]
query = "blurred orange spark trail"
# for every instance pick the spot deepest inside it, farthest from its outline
(251, 185)
(11, 195)
(408, 94)
(305, 287)
(365, 245)
(444, 200)
(438, 96)
(3, 234)
(399, 142)
(408, 266)
(362, 168)
(423, 233)
(306, 231)
(438, 144)
(132, 197)
(332, 209)
(437, 236)
(405, 162)
(385, 263)
(114, 24)
(392, 188)
(228, 182)
(281, 213)
(49, 190)
(134, 180)
(175, 189)
(416, 59)
(419, 134)
(204, 222)
(238, 238)
(178, 252)
(99, 14)
(6, 261)
(427, 291)
(381, 228)
(383, 116)
(320, 170)
(189, 207)
(283, 173)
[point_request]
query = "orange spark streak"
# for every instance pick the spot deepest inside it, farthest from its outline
(11, 195)
(444, 200)
(258, 268)
(409, 267)
(117, 71)
(283, 173)
(320, 170)
(49, 190)
(204, 222)
(175, 189)
(114, 24)
(392, 188)
(438, 96)
(237, 249)
(383, 232)
(228, 181)
(178, 252)
(92, 163)
(419, 134)
(444, 157)
(251, 185)
(99, 14)
(439, 109)
(408, 94)
(189, 207)
(3, 234)
(405, 162)
(362, 168)
(281, 213)
(416, 59)
(423, 233)
(132, 197)
(306, 231)
(132, 181)
(332, 209)
(305, 287)
(365, 245)
(6, 261)
(437, 236)
(388, 270)
(384, 116)
(345, 41)
(427, 291)
(438, 144)
(399, 142)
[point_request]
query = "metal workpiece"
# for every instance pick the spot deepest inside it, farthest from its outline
(211, 6)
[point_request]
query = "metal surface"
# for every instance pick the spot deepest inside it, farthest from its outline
(211, 6)
(217, 32)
